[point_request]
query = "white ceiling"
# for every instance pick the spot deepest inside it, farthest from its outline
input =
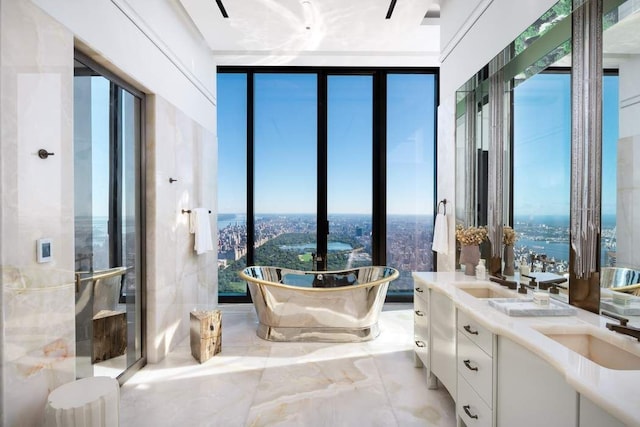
(348, 29)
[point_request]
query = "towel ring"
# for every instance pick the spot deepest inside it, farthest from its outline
(442, 202)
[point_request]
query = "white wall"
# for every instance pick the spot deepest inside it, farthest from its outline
(472, 33)
(133, 37)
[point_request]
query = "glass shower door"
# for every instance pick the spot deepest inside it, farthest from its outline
(108, 227)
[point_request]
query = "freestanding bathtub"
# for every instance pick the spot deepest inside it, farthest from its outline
(329, 306)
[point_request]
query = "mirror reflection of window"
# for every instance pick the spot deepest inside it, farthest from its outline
(542, 169)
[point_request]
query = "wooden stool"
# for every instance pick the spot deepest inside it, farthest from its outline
(89, 402)
(109, 335)
(206, 334)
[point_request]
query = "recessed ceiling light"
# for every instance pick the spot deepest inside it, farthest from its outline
(307, 11)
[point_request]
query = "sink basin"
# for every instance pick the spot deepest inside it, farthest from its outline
(486, 292)
(598, 351)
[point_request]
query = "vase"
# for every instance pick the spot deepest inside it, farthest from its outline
(509, 261)
(470, 257)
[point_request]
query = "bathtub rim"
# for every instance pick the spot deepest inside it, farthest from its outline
(389, 278)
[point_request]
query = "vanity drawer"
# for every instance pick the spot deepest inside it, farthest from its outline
(420, 291)
(470, 407)
(475, 332)
(420, 323)
(476, 367)
(419, 307)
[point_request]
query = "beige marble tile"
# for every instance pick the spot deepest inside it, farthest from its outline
(179, 280)
(254, 382)
(38, 341)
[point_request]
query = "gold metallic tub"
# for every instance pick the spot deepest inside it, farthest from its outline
(329, 306)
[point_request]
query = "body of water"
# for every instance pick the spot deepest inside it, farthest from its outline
(557, 250)
(225, 220)
(308, 247)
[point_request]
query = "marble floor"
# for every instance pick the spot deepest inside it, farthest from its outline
(253, 382)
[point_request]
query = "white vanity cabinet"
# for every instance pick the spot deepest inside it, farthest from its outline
(475, 367)
(421, 326)
(592, 415)
(442, 317)
(530, 392)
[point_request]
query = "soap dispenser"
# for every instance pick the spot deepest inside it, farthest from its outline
(481, 270)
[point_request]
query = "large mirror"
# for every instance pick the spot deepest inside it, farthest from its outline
(621, 154)
(537, 145)
(519, 147)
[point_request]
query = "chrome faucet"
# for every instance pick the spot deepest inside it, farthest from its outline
(553, 285)
(543, 260)
(622, 328)
(502, 281)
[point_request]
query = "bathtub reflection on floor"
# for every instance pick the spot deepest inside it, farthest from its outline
(328, 306)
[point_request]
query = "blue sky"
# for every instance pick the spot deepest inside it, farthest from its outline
(542, 139)
(285, 143)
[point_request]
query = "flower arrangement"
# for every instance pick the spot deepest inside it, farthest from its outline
(470, 235)
(508, 236)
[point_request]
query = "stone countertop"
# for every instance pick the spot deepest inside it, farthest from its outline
(615, 391)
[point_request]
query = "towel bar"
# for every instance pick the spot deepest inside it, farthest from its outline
(189, 211)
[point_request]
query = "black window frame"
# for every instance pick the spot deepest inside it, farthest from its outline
(379, 150)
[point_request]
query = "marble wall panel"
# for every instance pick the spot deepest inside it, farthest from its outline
(179, 280)
(628, 206)
(446, 180)
(38, 343)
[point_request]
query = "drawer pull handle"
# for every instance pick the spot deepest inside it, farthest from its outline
(420, 344)
(468, 329)
(419, 313)
(468, 365)
(466, 409)
(419, 290)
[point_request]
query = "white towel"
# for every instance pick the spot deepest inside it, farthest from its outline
(440, 234)
(199, 226)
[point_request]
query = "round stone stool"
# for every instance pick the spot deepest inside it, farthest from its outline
(88, 402)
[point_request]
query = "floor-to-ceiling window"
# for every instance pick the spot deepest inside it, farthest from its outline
(285, 169)
(232, 183)
(349, 170)
(109, 230)
(325, 169)
(410, 175)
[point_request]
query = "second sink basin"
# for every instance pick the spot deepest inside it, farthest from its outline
(598, 351)
(487, 292)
